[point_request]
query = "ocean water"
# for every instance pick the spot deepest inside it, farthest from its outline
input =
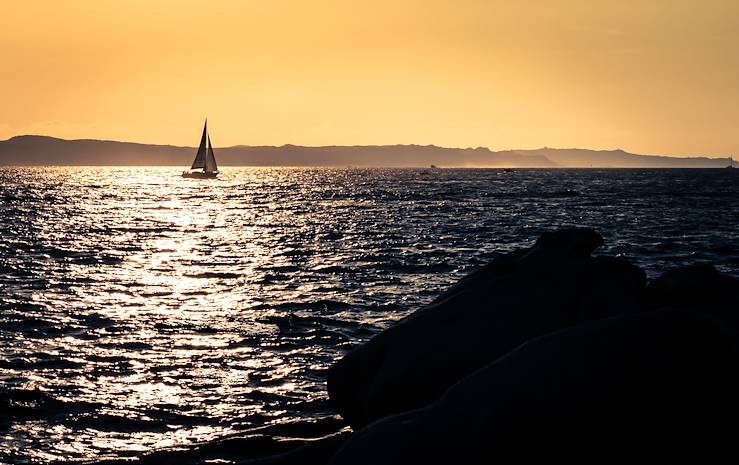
(140, 310)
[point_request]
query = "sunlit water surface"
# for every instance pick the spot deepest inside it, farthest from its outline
(141, 310)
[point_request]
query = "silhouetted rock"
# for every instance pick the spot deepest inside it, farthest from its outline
(518, 296)
(656, 386)
(701, 288)
(299, 442)
(315, 452)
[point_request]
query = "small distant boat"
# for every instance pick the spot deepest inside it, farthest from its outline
(731, 163)
(204, 159)
(434, 167)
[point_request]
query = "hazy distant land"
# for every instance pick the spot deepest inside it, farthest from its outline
(43, 150)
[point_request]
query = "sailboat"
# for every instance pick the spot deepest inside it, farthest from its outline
(731, 163)
(204, 159)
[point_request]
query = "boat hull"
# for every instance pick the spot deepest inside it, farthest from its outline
(199, 175)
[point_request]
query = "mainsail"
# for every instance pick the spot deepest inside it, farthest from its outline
(200, 157)
(210, 159)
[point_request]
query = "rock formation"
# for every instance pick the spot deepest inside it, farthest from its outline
(655, 386)
(551, 354)
(521, 295)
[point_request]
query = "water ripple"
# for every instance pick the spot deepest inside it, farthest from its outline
(139, 310)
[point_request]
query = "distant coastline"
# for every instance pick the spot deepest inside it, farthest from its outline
(34, 150)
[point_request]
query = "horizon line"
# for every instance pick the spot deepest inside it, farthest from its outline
(366, 145)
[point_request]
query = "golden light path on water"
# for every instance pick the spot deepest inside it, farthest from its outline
(160, 292)
(141, 310)
(161, 266)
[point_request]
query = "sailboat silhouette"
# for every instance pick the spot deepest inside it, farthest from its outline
(204, 159)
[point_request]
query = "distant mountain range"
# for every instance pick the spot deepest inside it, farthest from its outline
(43, 150)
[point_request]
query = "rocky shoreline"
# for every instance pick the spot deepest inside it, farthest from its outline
(544, 353)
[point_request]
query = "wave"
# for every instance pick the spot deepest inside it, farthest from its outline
(214, 275)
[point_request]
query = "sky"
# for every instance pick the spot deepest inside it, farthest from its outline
(657, 77)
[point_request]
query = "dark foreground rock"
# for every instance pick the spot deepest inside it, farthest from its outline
(297, 442)
(661, 385)
(524, 294)
(701, 288)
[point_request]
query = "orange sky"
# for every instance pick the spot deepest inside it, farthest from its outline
(650, 77)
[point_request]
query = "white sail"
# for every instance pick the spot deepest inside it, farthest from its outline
(210, 159)
(199, 161)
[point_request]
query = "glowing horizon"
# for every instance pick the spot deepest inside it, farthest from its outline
(657, 78)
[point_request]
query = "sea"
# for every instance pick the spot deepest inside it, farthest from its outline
(143, 311)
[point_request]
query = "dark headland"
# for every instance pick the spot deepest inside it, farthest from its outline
(43, 150)
(547, 353)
